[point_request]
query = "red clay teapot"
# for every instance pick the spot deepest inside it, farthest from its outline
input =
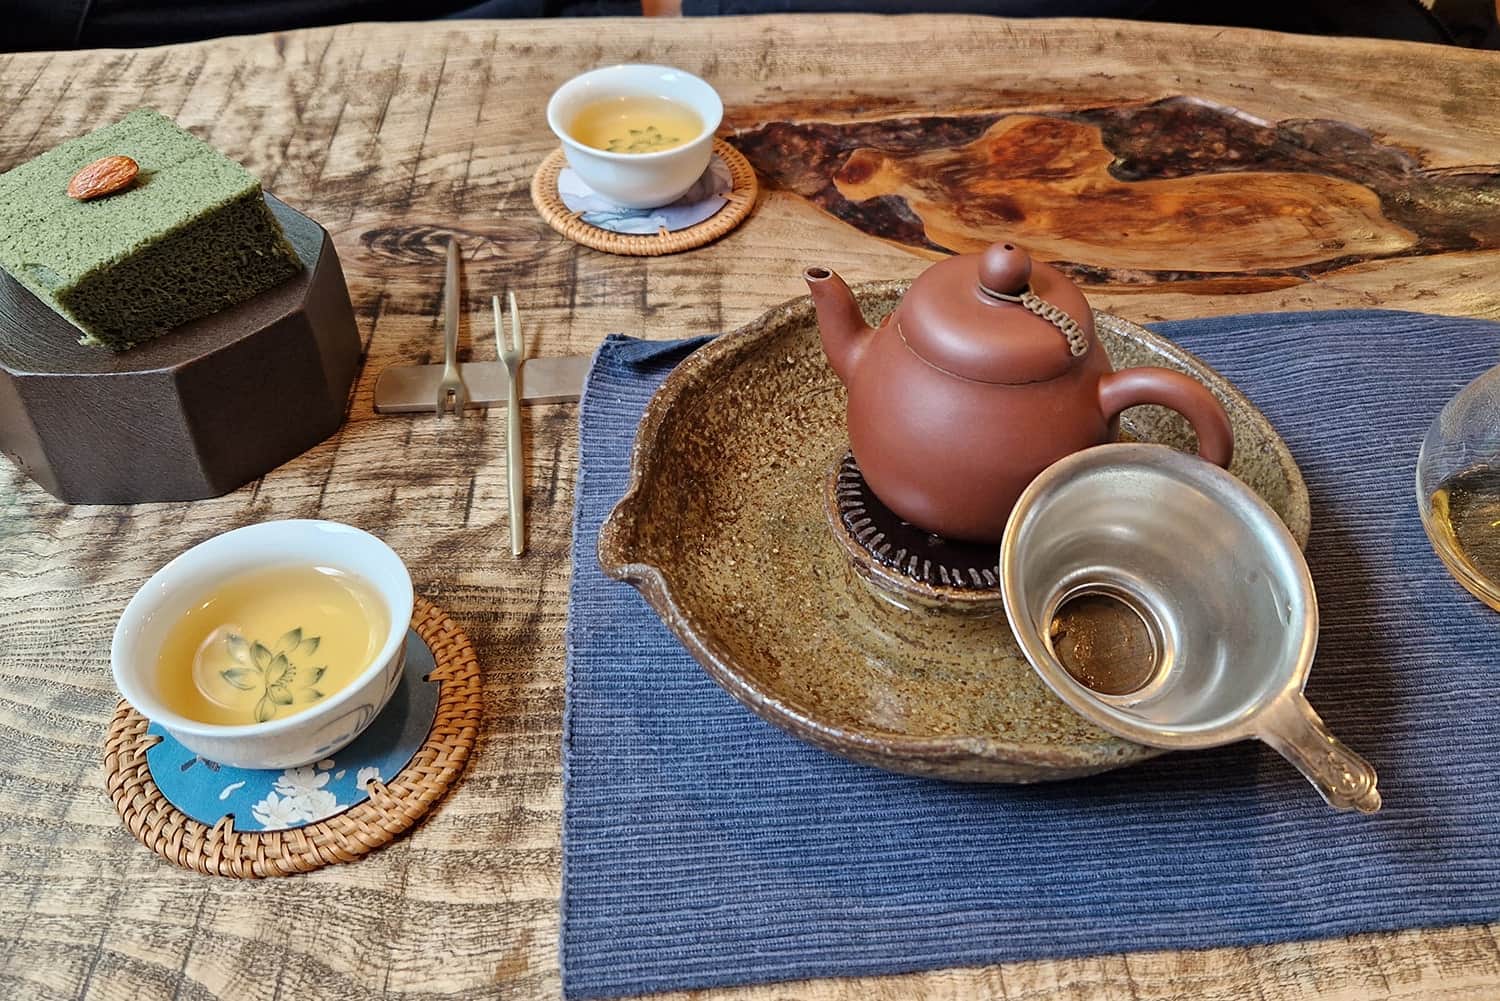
(987, 372)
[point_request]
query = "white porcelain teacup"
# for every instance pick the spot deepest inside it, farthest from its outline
(637, 180)
(317, 731)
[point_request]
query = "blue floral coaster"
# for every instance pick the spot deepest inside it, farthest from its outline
(279, 800)
(702, 201)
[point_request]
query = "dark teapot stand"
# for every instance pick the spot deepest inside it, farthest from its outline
(901, 562)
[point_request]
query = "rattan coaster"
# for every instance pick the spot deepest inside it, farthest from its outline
(739, 201)
(391, 809)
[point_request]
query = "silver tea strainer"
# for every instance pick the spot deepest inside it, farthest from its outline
(1212, 620)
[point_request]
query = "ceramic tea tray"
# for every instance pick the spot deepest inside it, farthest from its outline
(723, 530)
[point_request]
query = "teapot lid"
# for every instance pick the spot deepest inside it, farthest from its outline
(997, 317)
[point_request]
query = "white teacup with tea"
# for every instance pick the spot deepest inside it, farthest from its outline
(639, 135)
(270, 646)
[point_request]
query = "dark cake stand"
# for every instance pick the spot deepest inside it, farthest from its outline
(194, 413)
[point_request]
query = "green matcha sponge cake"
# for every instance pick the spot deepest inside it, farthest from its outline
(191, 236)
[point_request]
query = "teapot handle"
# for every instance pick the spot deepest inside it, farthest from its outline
(1176, 391)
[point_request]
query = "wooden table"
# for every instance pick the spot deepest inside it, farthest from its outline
(398, 137)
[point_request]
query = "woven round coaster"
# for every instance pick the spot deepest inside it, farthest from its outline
(741, 199)
(392, 808)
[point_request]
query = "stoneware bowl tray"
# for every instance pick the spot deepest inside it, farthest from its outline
(723, 530)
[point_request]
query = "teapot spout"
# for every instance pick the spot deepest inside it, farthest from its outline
(841, 326)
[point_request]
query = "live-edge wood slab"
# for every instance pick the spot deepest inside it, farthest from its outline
(1180, 193)
(396, 137)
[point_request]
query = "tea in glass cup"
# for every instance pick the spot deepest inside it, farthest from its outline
(1458, 487)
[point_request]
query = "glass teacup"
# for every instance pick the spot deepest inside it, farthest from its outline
(1458, 486)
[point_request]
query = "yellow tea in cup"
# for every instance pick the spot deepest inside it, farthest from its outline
(636, 124)
(270, 644)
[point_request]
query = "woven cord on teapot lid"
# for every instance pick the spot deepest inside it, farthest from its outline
(995, 318)
(1005, 272)
(1078, 341)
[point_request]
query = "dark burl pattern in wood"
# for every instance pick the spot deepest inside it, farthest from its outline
(1180, 191)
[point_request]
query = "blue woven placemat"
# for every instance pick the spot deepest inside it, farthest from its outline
(701, 846)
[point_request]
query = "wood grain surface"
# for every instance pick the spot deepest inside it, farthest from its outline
(1177, 193)
(398, 137)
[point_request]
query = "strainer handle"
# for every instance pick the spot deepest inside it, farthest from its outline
(1343, 778)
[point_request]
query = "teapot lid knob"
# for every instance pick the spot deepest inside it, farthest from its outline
(1004, 270)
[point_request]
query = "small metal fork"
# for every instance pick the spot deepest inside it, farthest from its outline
(515, 477)
(453, 383)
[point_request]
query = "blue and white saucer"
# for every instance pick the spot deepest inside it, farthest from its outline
(279, 800)
(708, 195)
(720, 200)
